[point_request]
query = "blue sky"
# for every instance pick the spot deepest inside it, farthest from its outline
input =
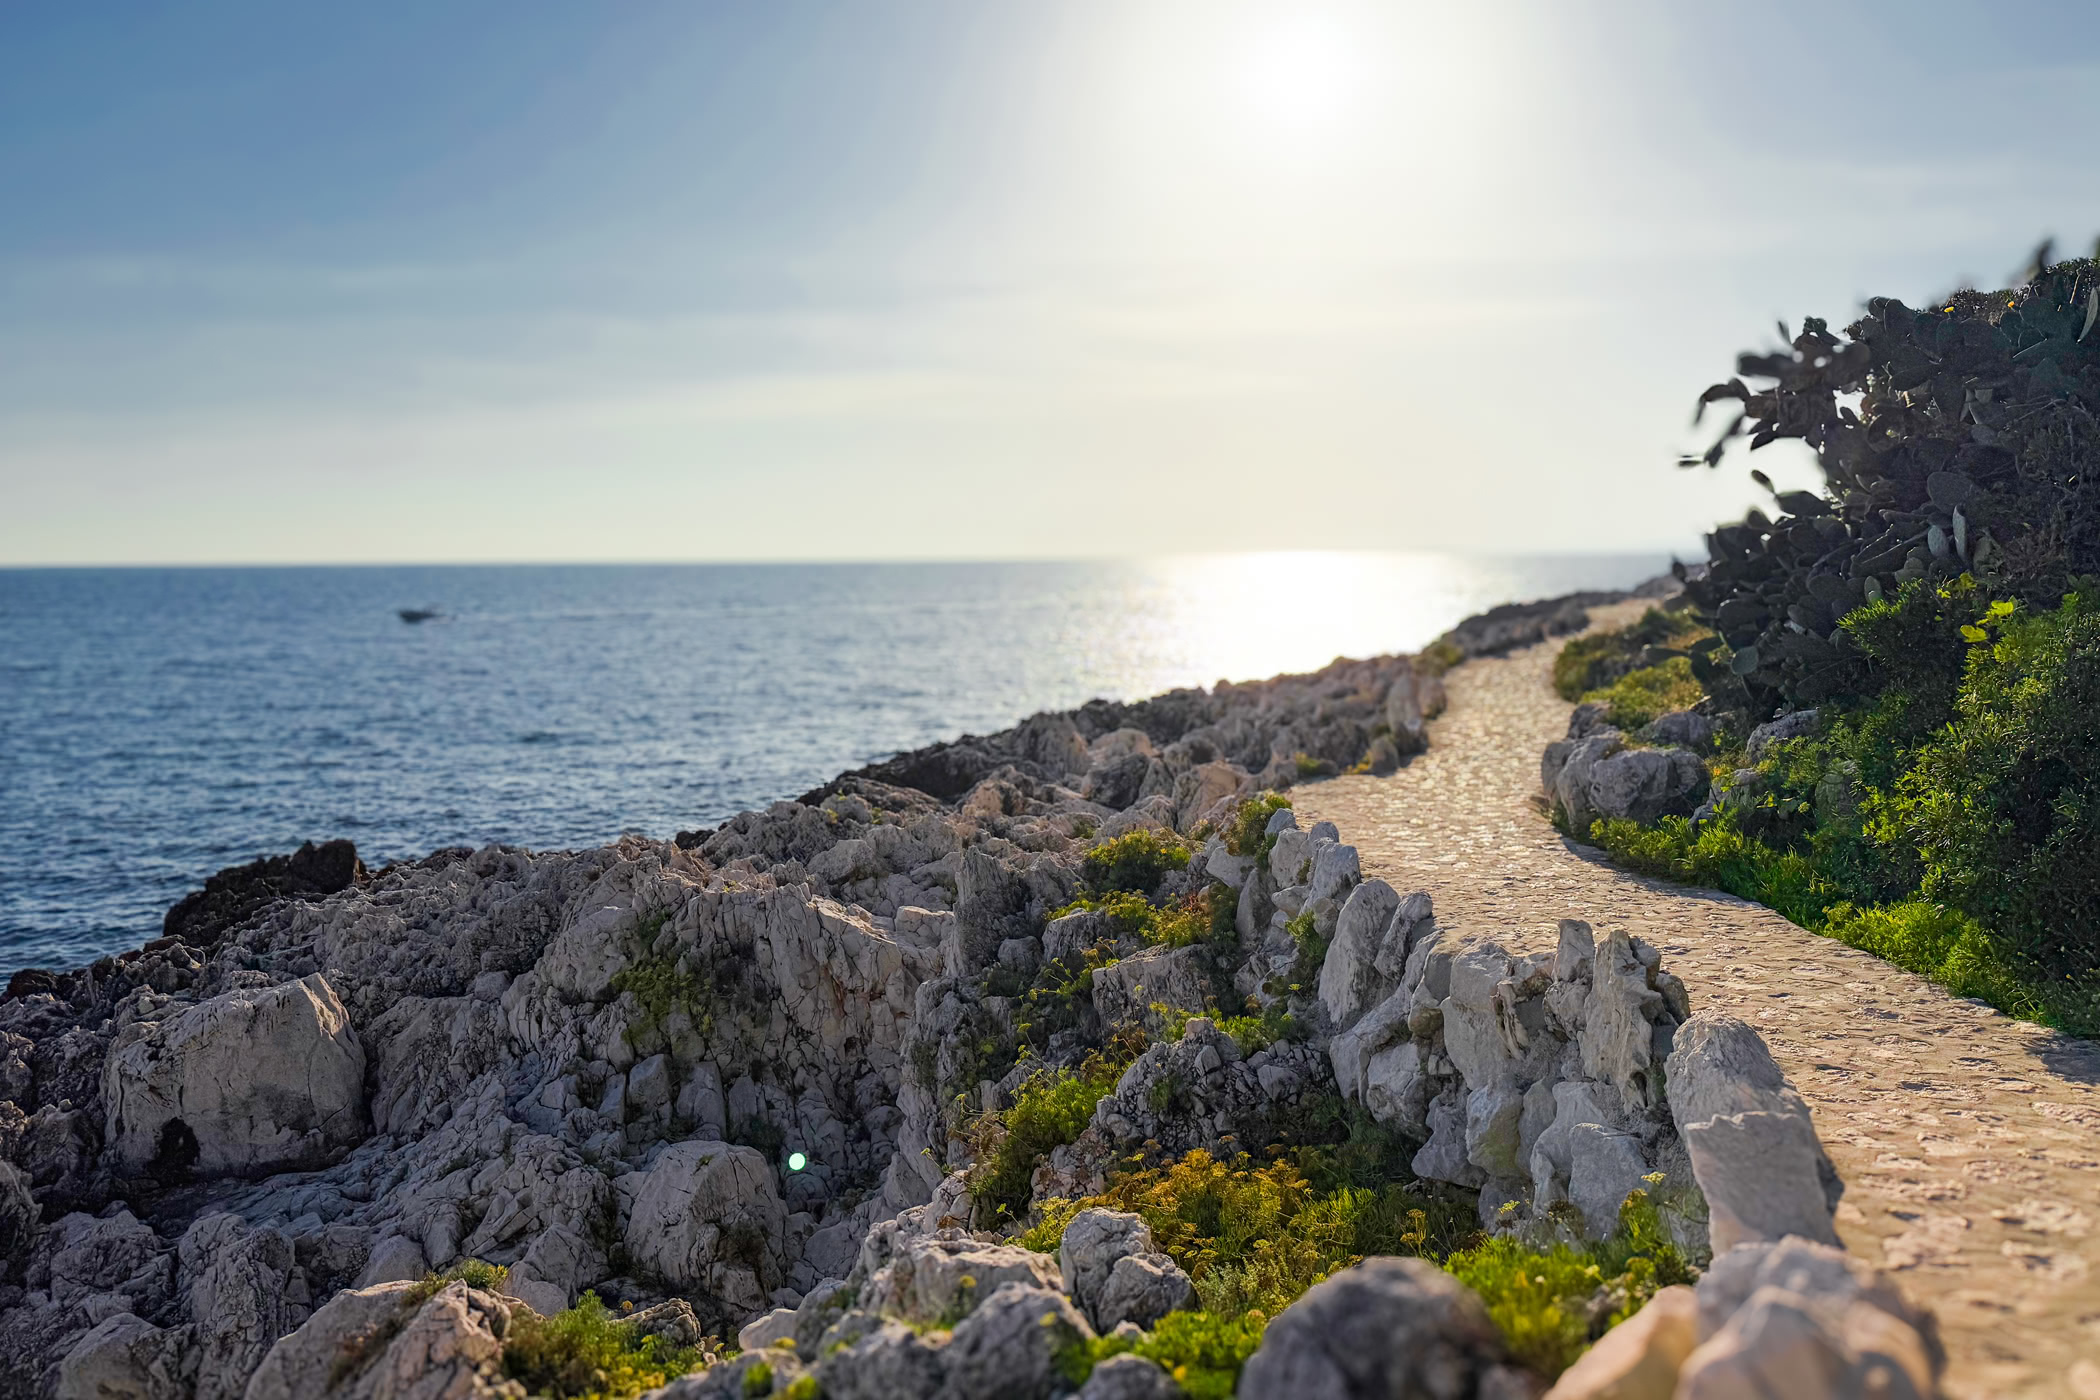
(668, 281)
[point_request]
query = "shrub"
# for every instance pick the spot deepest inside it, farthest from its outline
(1255, 1237)
(1598, 660)
(1202, 1351)
(2003, 803)
(1245, 836)
(1952, 440)
(1640, 697)
(1203, 916)
(1312, 951)
(1051, 1109)
(1134, 862)
(1551, 1303)
(585, 1353)
(474, 1273)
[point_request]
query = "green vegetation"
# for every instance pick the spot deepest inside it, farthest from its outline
(1134, 862)
(1936, 602)
(1245, 836)
(1641, 697)
(1051, 1109)
(1551, 1303)
(586, 1353)
(758, 1381)
(1309, 767)
(1597, 662)
(1312, 952)
(1200, 917)
(474, 1273)
(1949, 821)
(1203, 1351)
(1254, 1238)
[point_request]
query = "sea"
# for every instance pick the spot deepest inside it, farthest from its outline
(159, 724)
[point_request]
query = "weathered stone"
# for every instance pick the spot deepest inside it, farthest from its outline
(1644, 785)
(1129, 1377)
(1571, 784)
(1335, 871)
(395, 1259)
(1638, 1359)
(1758, 1172)
(240, 1299)
(1008, 1348)
(561, 1261)
(1350, 980)
(1791, 726)
(82, 1254)
(1617, 1039)
(1142, 1289)
(126, 1358)
(766, 1329)
(1087, 1252)
(1681, 729)
(1290, 859)
(1384, 1327)
(254, 1080)
(887, 1361)
(1443, 1157)
(376, 1343)
(1127, 990)
(1752, 1143)
(707, 1214)
(944, 1276)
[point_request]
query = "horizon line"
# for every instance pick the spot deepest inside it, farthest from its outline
(838, 562)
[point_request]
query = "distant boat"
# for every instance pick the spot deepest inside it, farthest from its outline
(418, 614)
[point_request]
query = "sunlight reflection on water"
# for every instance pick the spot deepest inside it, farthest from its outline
(157, 724)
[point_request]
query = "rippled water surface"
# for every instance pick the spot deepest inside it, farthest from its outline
(156, 725)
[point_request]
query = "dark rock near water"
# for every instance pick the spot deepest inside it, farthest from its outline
(238, 892)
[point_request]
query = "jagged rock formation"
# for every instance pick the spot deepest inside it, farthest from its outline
(591, 1066)
(735, 1080)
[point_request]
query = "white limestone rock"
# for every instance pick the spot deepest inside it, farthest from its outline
(944, 1276)
(1007, 1349)
(1384, 1327)
(1751, 1140)
(1127, 990)
(708, 1215)
(252, 1081)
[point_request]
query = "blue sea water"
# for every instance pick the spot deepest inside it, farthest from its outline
(158, 724)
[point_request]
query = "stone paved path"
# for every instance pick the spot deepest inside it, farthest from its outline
(1969, 1142)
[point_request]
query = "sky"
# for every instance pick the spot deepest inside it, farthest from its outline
(942, 279)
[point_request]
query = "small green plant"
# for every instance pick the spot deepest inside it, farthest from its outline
(1312, 951)
(1203, 1351)
(586, 1353)
(1643, 696)
(1310, 767)
(474, 1273)
(1245, 836)
(1049, 1110)
(758, 1381)
(1134, 862)
(1551, 1303)
(1596, 661)
(804, 1388)
(1193, 918)
(1440, 656)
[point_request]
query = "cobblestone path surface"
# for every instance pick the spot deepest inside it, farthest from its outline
(1969, 1142)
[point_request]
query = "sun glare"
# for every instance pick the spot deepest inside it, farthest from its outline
(1304, 73)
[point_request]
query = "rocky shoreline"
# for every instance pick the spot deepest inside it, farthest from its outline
(737, 1084)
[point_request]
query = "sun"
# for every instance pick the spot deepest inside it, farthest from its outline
(1303, 73)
